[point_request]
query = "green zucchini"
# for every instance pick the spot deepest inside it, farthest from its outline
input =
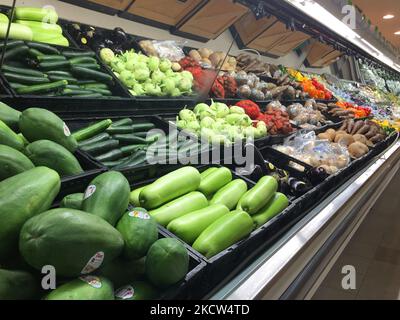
(95, 86)
(110, 156)
(23, 79)
(91, 74)
(129, 139)
(53, 65)
(72, 87)
(128, 150)
(91, 66)
(104, 92)
(92, 130)
(141, 134)
(11, 44)
(33, 53)
(143, 127)
(90, 95)
(69, 92)
(59, 73)
(98, 138)
(86, 82)
(119, 129)
(43, 48)
(111, 164)
(16, 85)
(100, 147)
(136, 159)
(43, 88)
(22, 71)
(51, 57)
(16, 52)
(77, 54)
(69, 79)
(122, 122)
(81, 60)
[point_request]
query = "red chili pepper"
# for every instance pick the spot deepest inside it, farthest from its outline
(251, 108)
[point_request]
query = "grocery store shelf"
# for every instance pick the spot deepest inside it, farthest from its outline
(293, 267)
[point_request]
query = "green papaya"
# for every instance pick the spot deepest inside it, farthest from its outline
(167, 262)
(121, 271)
(107, 196)
(84, 288)
(22, 197)
(17, 285)
(139, 231)
(9, 116)
(137, 290)
(72, 241)
(9, 137)
(54, 156)
(72, 201)
(41, 124)
(13, 162)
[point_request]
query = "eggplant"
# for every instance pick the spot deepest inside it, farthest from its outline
(119, 35)
(108, 43)
(317, 175)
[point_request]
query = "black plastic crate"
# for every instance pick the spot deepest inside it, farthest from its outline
(118, 90)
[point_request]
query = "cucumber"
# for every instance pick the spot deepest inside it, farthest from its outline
(16, 52)
(122, 122)
(95, 86)
(179, 207)
(129, 138)
(53, 65)
(91, 74)
(104, 92)
(58, 78)
(72, 87)
(113, 164)
(190, 226)
(90, 66)
(100, 147)
(42, 88)
(214, 181)
(47, 49)
(128, 150)
(169, 187)
(69, 92)
(16, 85)
(258, 196)
(86, 82)
(110, 156)
(98, 138)
(59, 73)
(33, 53)
(23, 79)
(51, 57)
(92, 130)
(89, 95)
(143, 127)
(11, 44)
(119, 130)
(22, 71)
(77, 54)
(81, 60)
(141, 134)
(134, 160)
(276, 205)
(230, 194)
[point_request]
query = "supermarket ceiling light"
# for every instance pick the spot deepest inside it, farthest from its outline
(388, 17)
(397, 33)
(323, 16)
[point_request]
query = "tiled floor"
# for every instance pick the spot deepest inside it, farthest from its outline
(374, 251)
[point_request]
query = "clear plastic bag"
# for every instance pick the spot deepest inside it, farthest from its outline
(168, 49)
(306, 147)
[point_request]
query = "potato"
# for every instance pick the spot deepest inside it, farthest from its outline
(195, 55)
(331, 133)
(361, 138)
(357, 149)
(205, 53)
(346, 140)
(338, 136)
(215, 59)
(206, 61)
(324, 136)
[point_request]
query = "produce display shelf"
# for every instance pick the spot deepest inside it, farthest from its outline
(93, 6)
(117, 89)
(298, 259)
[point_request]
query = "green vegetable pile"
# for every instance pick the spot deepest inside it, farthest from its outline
(44, 140)
(218, 123)
(148, 76)
(40, 69)
(210, 210)
(125, 143)
(103, 250)
(34, 24)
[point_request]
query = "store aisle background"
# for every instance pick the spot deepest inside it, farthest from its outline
(374, 251)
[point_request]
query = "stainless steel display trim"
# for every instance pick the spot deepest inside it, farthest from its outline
(270, 265)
